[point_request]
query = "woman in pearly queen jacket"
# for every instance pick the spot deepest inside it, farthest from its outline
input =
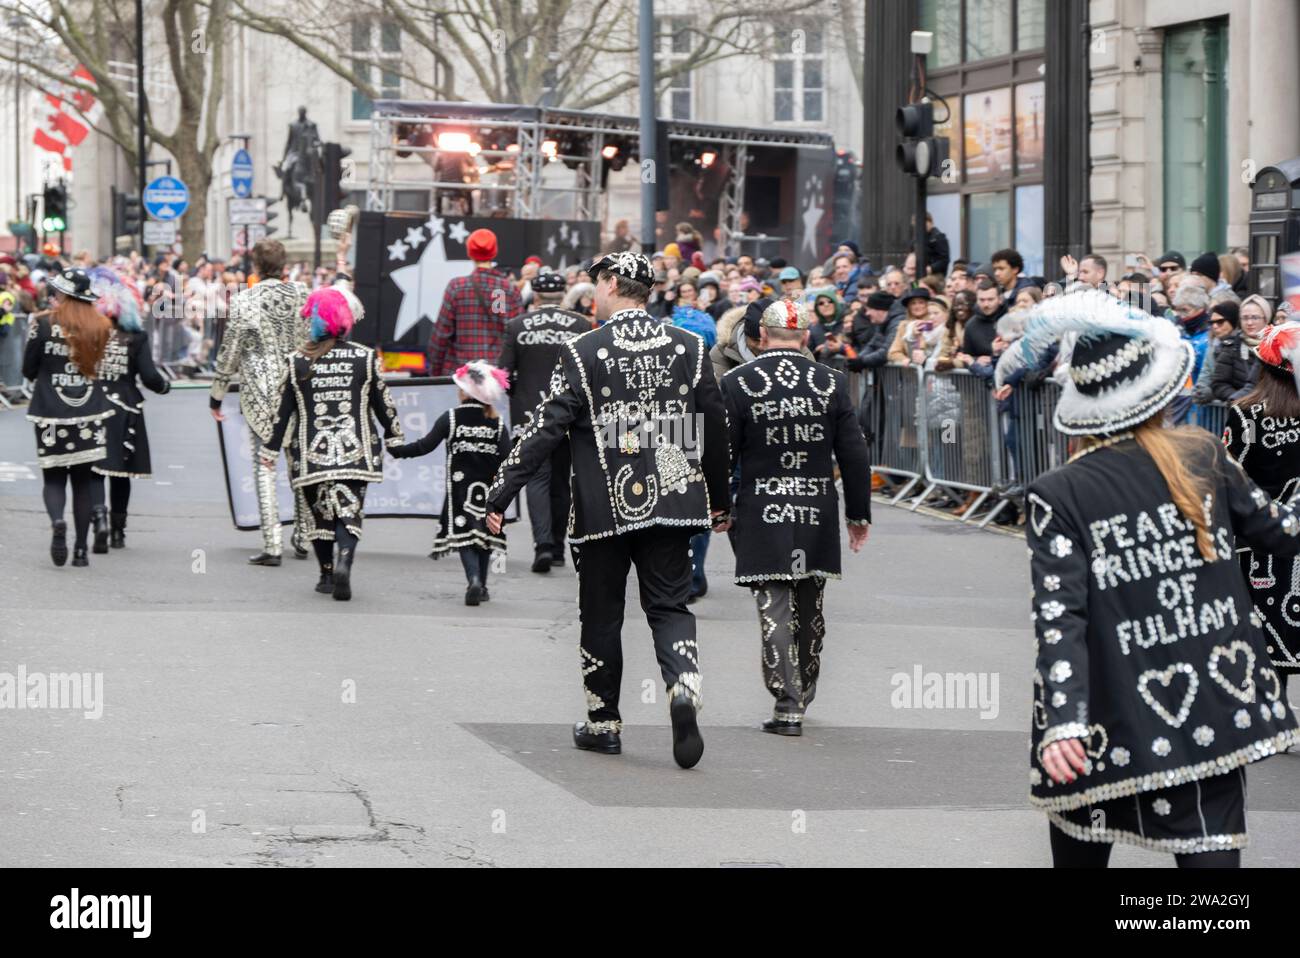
(1263, 437)
(1153, 685)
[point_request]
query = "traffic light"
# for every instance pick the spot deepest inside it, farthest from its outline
(126, 214)
(270, 215)
(333, 156)
(56, 209)
(921, 153)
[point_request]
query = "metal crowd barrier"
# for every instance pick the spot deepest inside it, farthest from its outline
(945, 432)
(12, 345)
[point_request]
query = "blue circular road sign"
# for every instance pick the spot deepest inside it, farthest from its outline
(241, 174)
(166, 198)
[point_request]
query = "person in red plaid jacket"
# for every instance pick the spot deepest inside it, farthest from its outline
(475, 309)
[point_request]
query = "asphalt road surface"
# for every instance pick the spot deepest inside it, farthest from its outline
(248, 721)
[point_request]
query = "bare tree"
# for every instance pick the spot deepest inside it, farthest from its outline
(578, 54)
(93, 34)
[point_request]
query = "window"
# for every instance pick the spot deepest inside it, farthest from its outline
(1029, 228)
(967, 31)
(799, 74)
(987, 135)
(988, 222)
(943, 19)
(988, 29)
(1195, 136)
(1031, 24)
(676, 42)
(376, 45)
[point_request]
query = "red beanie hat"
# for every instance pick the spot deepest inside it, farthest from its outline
(482, 246)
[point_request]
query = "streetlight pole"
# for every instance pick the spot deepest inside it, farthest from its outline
(16, 24)
(651, 172)
(141, 154)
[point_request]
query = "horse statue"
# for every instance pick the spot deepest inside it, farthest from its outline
(299, 166)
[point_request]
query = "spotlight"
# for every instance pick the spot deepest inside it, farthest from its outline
(707, 158)
(456, 143)
(512, 148)
(609, 152)
(550, 150)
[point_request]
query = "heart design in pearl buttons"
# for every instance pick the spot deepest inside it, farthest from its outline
(1166, 676)
(1244, 692)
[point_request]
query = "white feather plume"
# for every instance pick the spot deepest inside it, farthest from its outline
(1090, 313)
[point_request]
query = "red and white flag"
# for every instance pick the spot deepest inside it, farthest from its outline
(70, 113)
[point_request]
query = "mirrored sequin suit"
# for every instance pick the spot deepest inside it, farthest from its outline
(264, 325)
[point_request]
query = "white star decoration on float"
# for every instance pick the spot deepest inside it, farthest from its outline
(423, 283)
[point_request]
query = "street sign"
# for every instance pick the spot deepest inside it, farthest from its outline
(159, 234)
(241, 174)
(166, 198)
(244, 238)
(248, 212)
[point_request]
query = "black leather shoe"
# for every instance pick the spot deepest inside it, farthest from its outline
(607, 742)
(782, 727)
(542, 561)
(474, 594)
(59, 542)
(117, 530)
(79, 556)
(343, 575)
(264, 558)
(326, 584)
(484, 597)
(688, 744)
(99, 521)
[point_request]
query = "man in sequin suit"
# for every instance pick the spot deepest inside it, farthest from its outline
(263, 327)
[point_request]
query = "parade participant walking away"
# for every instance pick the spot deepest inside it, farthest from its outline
(532, 348)
(128, 361)
(648, 433)
(1261, 436)
(1153, 687)
(477, 444)
(263, 327)
(69, 406)
(333, 395)
(791, 421)
(475, 310)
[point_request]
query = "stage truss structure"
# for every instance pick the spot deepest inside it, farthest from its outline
(522, 133)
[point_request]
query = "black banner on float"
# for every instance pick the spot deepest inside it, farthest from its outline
(411, 488)
(405, 260)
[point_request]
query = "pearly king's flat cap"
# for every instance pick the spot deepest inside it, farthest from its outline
(633, 266)
(786, 314)
(549, 282)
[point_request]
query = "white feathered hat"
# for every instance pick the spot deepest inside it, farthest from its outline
(1125, 367)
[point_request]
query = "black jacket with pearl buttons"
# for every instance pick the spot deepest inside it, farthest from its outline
(647, 430)
(1147, 653)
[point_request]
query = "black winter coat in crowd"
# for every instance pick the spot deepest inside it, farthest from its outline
(1268, 449)
(876, 341)
(788, 416)
(335, 401)
(647, 427)
(980, 332)
(530, 352)
(1236, 368)
(1148, 653)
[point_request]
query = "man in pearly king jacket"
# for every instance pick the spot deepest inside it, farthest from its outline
(648, 434)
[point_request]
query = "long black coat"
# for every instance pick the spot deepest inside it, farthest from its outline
(647, 430)
(1236, 369)
(1268, 449)
(1146, 652)
(788, 416)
